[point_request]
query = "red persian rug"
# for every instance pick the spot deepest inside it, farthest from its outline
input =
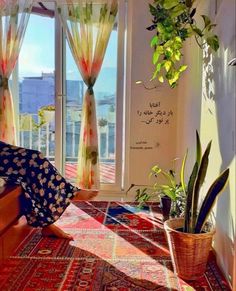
(117, 246)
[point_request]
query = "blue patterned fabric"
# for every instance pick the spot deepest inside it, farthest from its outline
(46, 193)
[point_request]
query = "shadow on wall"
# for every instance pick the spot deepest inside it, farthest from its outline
(219, 83)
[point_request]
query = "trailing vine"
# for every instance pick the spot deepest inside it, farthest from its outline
(174, 22)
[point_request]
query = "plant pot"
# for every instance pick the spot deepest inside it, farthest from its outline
(189, 252)
(166, 206)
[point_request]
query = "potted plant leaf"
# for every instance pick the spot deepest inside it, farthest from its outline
(189, 238)
(168, 190)
(173, 22)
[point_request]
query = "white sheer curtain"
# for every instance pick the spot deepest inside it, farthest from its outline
(88, 25)
(14, 16)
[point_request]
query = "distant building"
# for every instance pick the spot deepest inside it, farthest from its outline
(75, 91)
(36, 92)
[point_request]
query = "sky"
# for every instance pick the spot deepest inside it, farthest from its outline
(37, 54)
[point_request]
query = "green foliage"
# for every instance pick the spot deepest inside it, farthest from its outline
(41, 115)
(210, 199)
(171, 188)
(187, 195)
(194, 219)
(102, 122)
(200, 177)
(173, 22)
(142, 195)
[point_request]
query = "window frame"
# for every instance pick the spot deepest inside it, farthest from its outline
(60, 88)
(60, 94)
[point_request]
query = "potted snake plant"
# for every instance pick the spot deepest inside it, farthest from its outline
(190, 237)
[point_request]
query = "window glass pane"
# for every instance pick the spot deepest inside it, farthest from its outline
(105, 95)
(37, 86)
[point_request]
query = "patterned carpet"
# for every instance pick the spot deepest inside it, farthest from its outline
(116, 246)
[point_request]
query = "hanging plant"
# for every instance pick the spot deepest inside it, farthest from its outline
(173, 21)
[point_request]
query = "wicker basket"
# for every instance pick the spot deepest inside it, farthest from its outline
(189, 252)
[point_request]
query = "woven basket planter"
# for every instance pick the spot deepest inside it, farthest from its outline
(189, 252)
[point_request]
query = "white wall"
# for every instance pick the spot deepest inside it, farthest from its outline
(206, 102)
(148, 142)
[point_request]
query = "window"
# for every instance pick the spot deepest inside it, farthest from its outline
(36, 83)
(105, 96)
(50, 96)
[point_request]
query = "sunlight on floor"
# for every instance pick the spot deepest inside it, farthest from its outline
(129, 250)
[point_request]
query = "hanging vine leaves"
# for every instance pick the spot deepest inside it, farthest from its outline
(173, 22)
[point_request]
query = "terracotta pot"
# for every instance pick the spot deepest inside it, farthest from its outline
(189, 252)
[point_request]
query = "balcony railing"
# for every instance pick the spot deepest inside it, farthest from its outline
(43, 139)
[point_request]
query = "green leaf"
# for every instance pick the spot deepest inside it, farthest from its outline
(191, 184)
(169, 177)
(182, 68)
(168, 53)
(198, 149)
(198, 183)
(173, 85)
(170, 193)
(157, 71)
(174, 78)
(156, 170)
(169, 75)
(197, 31)
(168, 43)
(213, 42)
(177, 55)
(158, 67)
(160, 28)
(188, 204)
(178, 40)
(152, 10)
(161, 79)
(155, 57)
(163, 187)
(211, 26)
(182, 174)
(168, 4)
(160, 49)
(207, 20)
(167, 65)
(216, 188)
(154, 41)
(183, 33)
(177, 10)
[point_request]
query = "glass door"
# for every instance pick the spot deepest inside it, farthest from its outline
(48, 91)
(36, 87)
